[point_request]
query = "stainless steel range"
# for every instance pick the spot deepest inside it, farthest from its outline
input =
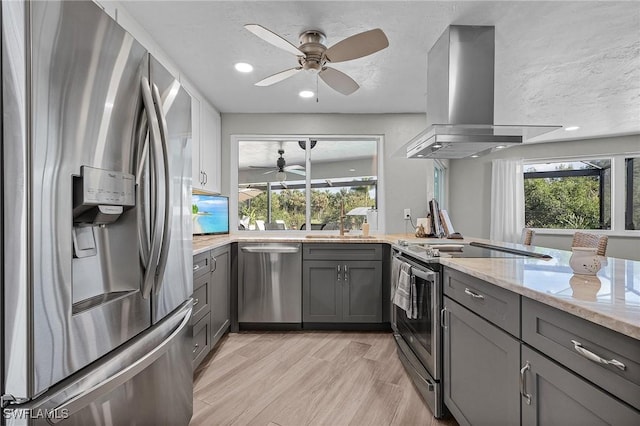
(417, 331)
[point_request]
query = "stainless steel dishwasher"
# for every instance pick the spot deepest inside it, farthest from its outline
(269, 284)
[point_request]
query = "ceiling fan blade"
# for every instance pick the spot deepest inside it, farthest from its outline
(273, 38)
(278, 77)
(294, 166)
(270, 171)
(296, 172)
(338, 81)
(357, 46)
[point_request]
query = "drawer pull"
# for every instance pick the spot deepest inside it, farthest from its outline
(523, 383)
(195, 302)
(195, 348)
(196, 267)
(595, 358)
(473, 294)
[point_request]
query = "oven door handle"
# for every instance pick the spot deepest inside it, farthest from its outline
(419, 271)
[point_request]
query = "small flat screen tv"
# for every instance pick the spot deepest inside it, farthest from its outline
(210, 214)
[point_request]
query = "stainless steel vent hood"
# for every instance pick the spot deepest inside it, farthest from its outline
(460, 79)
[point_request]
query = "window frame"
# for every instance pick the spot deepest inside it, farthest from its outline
(233, 174)
(618, 193)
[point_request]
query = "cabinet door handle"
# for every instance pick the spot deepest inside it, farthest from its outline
(473, 294)
(523, 383)
(196, 267)
(195, 347)
(195, 302)
(596, 358)
(206, 177)
(215, 264)
(346, 272)
(339, 273)
(201, 177)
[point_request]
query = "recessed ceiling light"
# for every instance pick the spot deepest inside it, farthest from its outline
(243, 67)
(571, 128)
(500, 146)
(306, 94)
(475, 156)
(352, 170)
(420, 155)
(437, 145)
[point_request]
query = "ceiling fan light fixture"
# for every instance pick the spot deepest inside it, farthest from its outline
(306, 94)
(243, 67)
(281, 176)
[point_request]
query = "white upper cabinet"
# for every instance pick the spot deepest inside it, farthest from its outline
(196, 170)
(210, 147)
(206, 146)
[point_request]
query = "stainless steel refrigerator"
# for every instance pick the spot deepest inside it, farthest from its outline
(96, 223)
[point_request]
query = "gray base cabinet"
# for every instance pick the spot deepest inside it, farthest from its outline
(564, 371)
(342, 283)
(220, 301)
(349, 291)
(552, 395)
(201, 316)
(481, 369)
(211, 316)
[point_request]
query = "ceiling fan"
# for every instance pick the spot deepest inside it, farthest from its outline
(282, 169)
(313, 55)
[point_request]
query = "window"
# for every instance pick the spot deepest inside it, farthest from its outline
(568, 195)
(632, 193)
(439, 185)
(302, 184)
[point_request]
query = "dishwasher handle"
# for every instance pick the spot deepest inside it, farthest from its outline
(270, 249)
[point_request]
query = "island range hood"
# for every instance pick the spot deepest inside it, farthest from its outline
(460, 99)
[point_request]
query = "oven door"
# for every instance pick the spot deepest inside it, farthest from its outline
(422, 334)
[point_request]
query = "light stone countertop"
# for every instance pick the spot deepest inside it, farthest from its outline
(611, 298)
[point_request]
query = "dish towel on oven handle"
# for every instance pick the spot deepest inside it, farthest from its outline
(396, 264)
(405, 297)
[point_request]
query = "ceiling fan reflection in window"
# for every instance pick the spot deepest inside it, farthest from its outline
(313, 55)
(282, 169)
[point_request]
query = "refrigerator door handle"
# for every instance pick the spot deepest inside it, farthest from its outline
(80, 401)
(141, 157)
(166, 230)
(158, 217)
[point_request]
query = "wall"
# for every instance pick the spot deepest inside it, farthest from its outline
(470, 188)
(404, 183)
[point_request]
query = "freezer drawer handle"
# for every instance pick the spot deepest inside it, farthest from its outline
(596, 358)
(271, 249)
(104, 387)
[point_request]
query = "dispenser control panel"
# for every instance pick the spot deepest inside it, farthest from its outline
(100, 187)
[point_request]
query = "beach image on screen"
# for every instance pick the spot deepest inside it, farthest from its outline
(210, 214)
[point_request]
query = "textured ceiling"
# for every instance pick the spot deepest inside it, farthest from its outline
(567, 63)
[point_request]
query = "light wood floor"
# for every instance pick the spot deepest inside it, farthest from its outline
(307, 378)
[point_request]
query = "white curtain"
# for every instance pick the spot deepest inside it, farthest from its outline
(507, 200)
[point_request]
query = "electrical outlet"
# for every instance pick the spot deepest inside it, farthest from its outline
(407, 214)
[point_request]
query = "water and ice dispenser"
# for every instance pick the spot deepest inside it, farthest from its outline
(105, 249)
(99, 198)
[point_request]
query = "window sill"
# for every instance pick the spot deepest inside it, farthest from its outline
(608, 232)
